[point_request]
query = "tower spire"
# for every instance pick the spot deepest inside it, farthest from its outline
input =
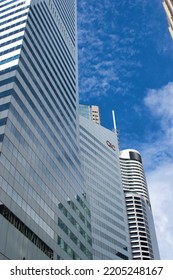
(114, 122)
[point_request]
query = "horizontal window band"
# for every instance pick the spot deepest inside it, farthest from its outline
(27, 232)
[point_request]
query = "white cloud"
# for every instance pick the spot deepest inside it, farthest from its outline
(105, 49)
(161, 193)
(116, 31)
(161, 101)
(110, 58)
(158, 161)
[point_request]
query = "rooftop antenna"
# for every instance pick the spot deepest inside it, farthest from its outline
(114, 122)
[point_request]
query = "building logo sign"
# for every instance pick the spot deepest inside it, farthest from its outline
(110, 145)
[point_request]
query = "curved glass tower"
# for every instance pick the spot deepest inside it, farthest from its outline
(141, 225)
(43, 212)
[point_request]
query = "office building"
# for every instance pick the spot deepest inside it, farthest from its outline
(141, 225)
(100, 157)
(168, 7)
(44, 210)
(95, 114)
(90, 112)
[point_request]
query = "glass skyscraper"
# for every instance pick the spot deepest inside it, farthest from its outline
(100, 157)
(44, 210)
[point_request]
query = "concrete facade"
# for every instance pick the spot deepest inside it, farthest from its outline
(141, 225)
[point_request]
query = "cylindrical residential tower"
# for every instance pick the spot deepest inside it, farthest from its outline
(141, 225)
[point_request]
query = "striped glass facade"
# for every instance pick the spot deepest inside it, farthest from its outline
(44, 213)
(100, 156)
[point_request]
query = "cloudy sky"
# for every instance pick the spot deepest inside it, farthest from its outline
(126, 65)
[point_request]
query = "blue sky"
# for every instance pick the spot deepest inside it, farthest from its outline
(126, 65)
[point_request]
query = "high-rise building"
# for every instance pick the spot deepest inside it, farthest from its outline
(95, 114)
(44, 210)
(100, 157)
(168, 6)
(61, 194)
(90, 112)
(141, 226)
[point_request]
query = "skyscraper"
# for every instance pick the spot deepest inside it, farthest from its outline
(44, 213)
(168, 6)
(141, 226)
(95, 114)
(90, 112)
(100, 157)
